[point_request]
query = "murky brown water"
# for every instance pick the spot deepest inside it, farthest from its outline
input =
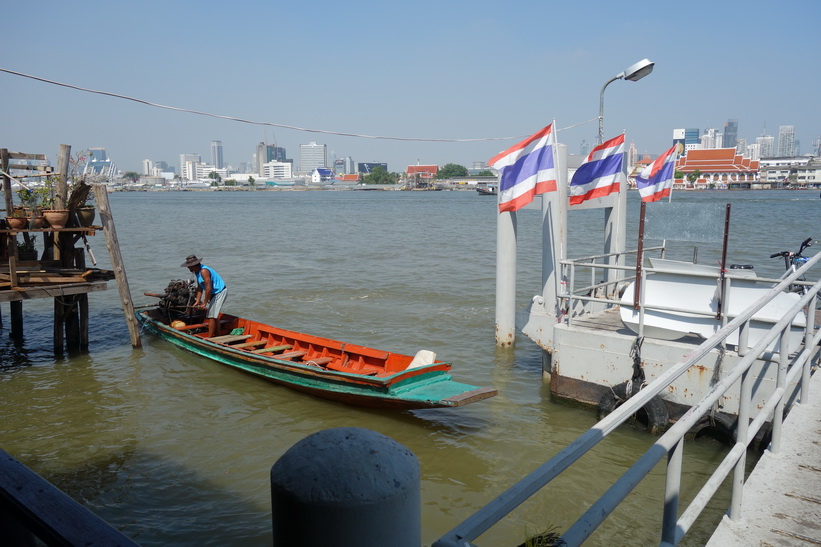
(174, 449)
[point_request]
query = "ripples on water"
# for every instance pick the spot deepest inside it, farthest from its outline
(173, 449)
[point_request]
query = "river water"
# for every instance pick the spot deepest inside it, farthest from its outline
(174, 449)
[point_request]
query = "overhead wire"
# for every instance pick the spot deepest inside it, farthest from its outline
(270, 124)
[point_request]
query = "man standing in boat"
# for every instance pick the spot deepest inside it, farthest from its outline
(211, 291)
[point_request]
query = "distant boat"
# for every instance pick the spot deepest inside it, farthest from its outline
(325, 368)
(489, 190)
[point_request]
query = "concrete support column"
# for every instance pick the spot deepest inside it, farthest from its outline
(346, 487)
(506, 248)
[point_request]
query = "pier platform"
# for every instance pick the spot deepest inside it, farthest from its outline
(782, 496)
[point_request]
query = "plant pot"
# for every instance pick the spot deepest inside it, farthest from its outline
(56, 218)
(17, 223)
(86, 216)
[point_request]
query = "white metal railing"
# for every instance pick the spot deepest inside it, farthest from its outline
(792, 368)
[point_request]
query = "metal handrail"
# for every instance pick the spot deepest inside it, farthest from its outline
(672, 442)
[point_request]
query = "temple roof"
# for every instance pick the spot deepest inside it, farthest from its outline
(716, 160)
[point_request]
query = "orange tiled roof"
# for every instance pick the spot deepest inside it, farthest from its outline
(432, 169)
(716, 160)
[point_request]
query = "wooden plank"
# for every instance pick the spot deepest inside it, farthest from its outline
(227, 338)
(290, 355)
(250, 344)
(107, 220)
(48, 512)
(28, 293)
(24, 156)
(322, 361)
(273, 348)
(25, 167)
(52, 279)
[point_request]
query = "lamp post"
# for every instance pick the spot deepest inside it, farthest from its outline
(614, 215)
(632, 73)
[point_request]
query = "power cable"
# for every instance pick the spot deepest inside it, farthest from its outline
(270, 124)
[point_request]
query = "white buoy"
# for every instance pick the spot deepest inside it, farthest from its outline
(346, 486)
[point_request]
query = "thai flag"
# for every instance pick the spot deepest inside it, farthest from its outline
(526, 169)
(601, 173)
(656, 180)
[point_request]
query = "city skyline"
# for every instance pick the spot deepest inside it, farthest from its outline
(484, 77)
(776, 148)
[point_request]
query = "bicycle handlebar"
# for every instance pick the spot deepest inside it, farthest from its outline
(804, 244)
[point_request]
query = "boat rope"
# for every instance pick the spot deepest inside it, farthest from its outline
(716, 377)
(638, 379)
(271, 124)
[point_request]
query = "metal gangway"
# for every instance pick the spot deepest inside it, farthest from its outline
(793, 377)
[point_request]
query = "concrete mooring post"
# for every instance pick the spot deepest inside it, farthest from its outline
(347, 487)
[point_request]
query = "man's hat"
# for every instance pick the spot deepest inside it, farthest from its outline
(192, 260)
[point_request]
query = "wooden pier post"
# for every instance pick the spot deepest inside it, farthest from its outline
(107, 221)
(16, 308)
(61, 190)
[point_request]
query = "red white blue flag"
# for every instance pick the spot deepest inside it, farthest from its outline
(601, 173)
(656, 180)
(526, 169)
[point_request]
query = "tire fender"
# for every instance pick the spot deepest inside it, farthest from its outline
(653, 415)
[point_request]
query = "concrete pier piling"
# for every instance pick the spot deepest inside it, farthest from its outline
(346, 486)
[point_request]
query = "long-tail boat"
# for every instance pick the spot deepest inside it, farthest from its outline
(326, 368)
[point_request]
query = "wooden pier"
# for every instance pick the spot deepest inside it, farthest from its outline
(60, 271)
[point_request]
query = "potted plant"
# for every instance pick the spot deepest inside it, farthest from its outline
(26, 249)
(56, 218)
(31, 207)
(81, 200)
(18, 219)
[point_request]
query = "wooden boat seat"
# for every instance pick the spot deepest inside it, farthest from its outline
(290, 354)
(253, 344)
(228, 339)
(319, 361)
(273, 348)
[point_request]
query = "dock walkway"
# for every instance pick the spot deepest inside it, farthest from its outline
(782, 496)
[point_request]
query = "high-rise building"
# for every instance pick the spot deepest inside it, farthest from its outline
(731, 133)
(312, 156)
(148, 166)
(267, 153)
(632, 156)
(98, 154)
(692, 138)
(786, 141)
(766, 146)
(216, 154)
(741, 146)
(98, 163)
(187, 161)
(712, 139)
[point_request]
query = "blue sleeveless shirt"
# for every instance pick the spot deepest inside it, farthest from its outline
(217, 284)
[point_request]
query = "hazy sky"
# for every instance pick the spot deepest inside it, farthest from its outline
(422, 69)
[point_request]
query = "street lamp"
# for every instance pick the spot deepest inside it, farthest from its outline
(633, 73)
